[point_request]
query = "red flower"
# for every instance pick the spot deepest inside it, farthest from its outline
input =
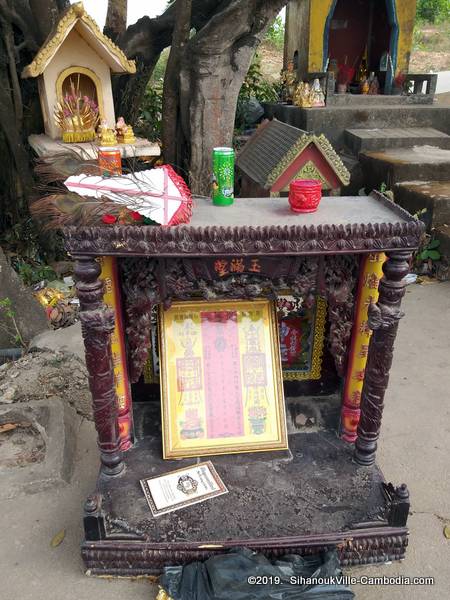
(135, 215)
(109, 219)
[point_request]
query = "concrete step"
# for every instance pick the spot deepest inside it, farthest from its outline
(434, 196)
(361, 100)
(334, 120)
(359, 140)
(420, 163)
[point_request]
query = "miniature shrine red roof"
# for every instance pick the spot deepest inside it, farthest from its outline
(276, 145)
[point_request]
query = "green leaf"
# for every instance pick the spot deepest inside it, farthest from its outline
(434, 254)
(423, 255)
(434, 244)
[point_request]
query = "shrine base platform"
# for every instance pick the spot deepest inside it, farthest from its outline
(304, 500)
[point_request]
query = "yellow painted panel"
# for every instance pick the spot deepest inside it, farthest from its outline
(406, 14)
(319, 10)
(371, 274)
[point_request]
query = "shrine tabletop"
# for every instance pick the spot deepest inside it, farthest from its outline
(266, 226)
(263, 212)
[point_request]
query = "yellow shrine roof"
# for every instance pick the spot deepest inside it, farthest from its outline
(75, 17)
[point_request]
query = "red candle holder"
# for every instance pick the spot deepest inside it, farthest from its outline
(305, 195)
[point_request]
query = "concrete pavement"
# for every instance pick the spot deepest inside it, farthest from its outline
(443, 83)
(415, 442)
(414, 448)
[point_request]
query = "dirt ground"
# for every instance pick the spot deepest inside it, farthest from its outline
(431, 51)
(44, 375)
(271, 62)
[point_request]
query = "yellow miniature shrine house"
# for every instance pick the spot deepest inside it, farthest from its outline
(318, 31)
(77, 52)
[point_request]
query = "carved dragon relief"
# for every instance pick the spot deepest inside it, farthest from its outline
(190, 241)
(141, 292)
(147, 282)
(340, 277)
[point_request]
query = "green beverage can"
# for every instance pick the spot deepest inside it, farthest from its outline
(223, 176)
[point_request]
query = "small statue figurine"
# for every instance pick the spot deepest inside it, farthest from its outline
(302, 95)
(288, 82)
(298, 94)
(362, 71)
(124, 132)
(107, 136)
(317, 96)
(364, 87)
(374, 85)
(128, 136)
(103, 126)
(306, 103)
(121, 127)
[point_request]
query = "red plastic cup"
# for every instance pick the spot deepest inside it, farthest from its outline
(305, 195)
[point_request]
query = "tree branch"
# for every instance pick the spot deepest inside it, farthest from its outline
(144, 41)
(45, 15)
(116, 18)
(148, 37)
(8, 40)
(249, 19)
(26, 25)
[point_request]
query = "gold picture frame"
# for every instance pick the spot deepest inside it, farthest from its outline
(221, 382)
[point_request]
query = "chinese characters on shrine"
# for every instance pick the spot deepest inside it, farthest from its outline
(225, 266)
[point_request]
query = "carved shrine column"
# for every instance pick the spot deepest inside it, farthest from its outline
(383, 319)
(97, 324)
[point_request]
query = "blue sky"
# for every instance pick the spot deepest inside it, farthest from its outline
(136, 9)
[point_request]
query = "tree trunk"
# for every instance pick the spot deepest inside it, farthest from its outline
(170, 129)
(116, 18)
(45, 16)
(213, 69)
(24, 25)
(144, 41)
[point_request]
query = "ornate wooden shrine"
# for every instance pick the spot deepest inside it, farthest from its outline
(322, 492)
